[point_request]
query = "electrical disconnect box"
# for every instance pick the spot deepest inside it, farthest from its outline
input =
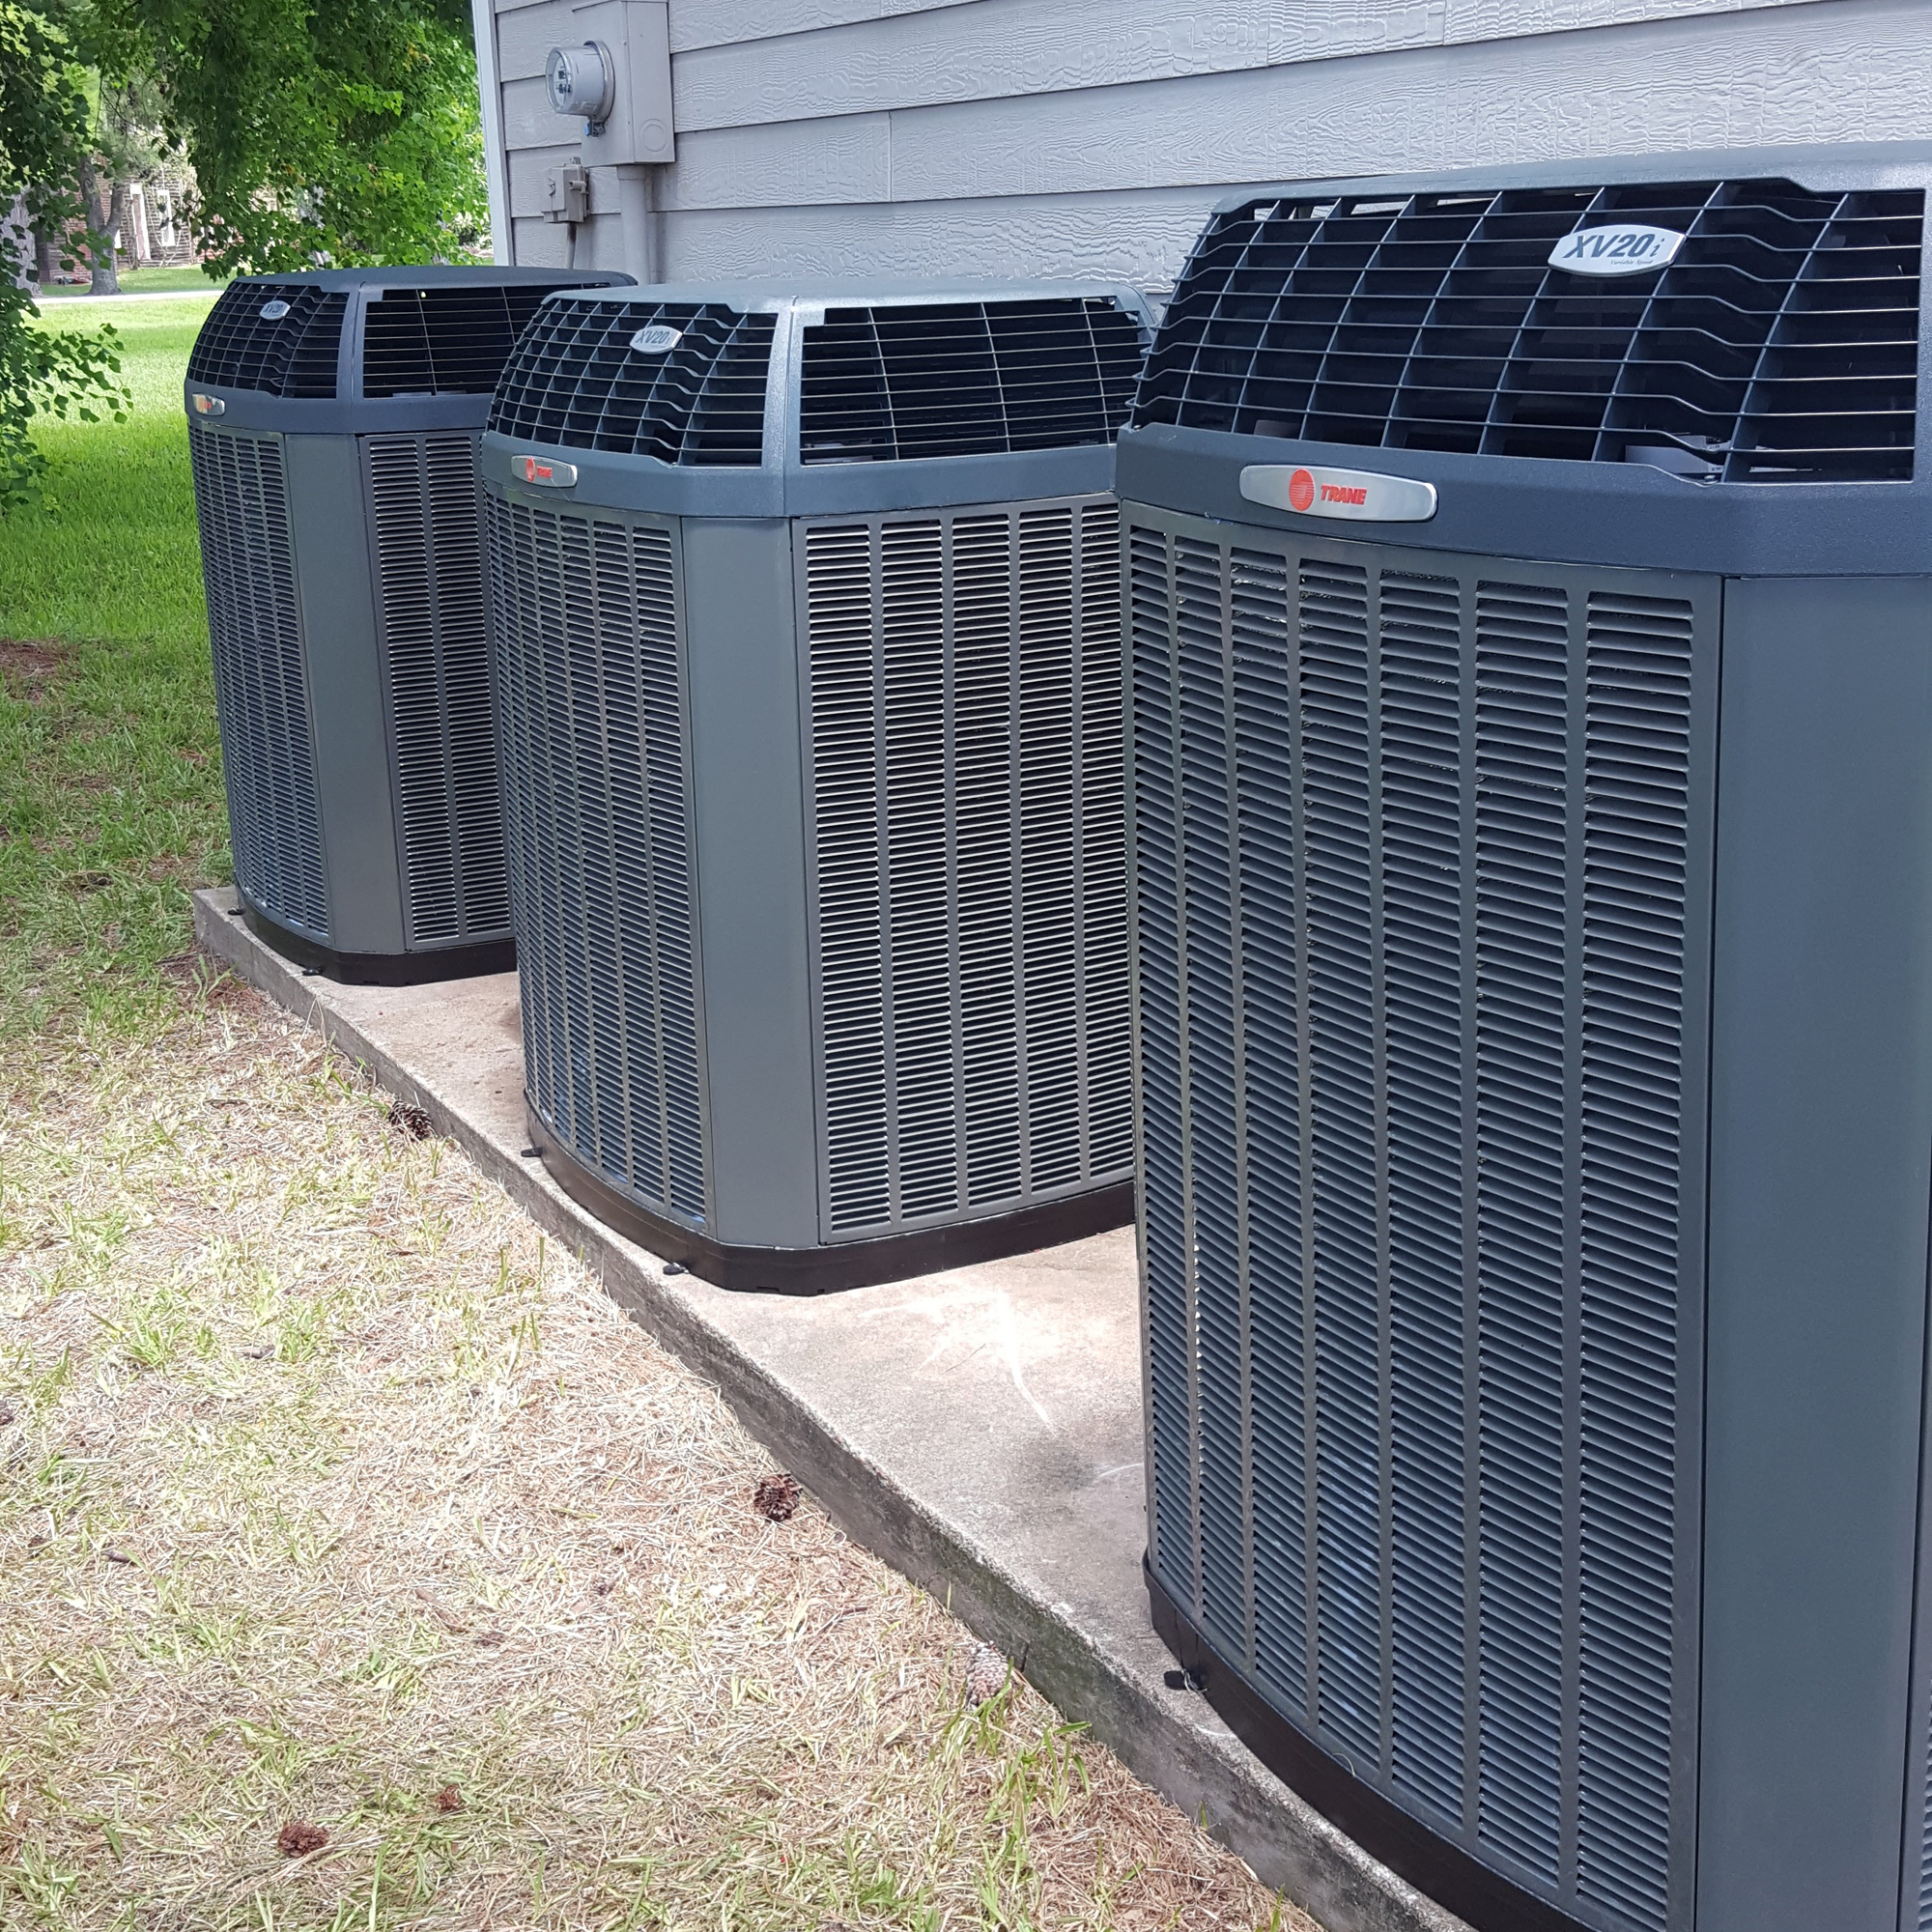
(616, 76)
(567, 193)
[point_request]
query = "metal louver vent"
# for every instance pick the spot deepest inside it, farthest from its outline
(600, 844)
(429, 571)
(240, 347)
(965, 379)
(966, 882)
(577, 379)
(1924, 1920)
(1781, 345)
(1422, 875)
(255, 629)
(448, 341)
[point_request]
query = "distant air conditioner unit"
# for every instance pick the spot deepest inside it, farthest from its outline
(806, 612)
(333, 420)
(1530, 575)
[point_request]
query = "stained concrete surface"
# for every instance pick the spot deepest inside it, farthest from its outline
(980, 1428)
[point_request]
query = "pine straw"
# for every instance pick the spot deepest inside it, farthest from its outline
(329, 1485)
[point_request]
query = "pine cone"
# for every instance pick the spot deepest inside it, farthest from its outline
(776, 1499)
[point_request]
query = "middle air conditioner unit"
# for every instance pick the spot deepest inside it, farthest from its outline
(807, 635)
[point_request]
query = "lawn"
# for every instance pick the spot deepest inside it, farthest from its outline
(137, 282)
(110, 781)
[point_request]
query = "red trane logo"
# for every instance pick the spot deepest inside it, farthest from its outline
(533, 471)
(1300, 490)
(1333, 493)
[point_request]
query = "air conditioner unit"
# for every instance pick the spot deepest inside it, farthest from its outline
(807, 613)
(1530, 576)
(333, 420)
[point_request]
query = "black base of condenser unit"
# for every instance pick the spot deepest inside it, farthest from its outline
(386, 969)
(838, 1264)
(1444, 1872)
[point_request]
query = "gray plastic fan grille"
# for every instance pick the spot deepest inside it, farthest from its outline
(427, 520)
(967, 889)
(444, 341)
(965, 379)
(576, 379)
(1781, 344)
(1422, 852)
(254, 626)
(240, 346)
(592, 678)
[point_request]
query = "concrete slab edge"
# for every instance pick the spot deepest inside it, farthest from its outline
(1170, 1739)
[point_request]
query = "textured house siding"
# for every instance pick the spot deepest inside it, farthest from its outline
(1066, 137)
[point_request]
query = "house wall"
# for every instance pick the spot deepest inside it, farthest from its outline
(1088, 137)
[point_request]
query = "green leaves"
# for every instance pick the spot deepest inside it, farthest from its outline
(319, 131)
(347, 132)
(43, 109)
(44, 374)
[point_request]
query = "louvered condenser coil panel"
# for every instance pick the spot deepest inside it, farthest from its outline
(260, 685)
(1422, 851)
(967, 881)
(426, 524)
(596, 749)
(369, 387)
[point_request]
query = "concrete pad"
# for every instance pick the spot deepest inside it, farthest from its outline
(979, 1429)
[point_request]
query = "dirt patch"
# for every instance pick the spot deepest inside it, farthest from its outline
(200, 977)
(29, 667)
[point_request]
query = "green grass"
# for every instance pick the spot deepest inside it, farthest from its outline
(139, 282)
(110, 769)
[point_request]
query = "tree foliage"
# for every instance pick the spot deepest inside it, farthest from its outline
(44, 131)
(336, 131)
(319, 130)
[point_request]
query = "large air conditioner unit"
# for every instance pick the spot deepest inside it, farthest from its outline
(807, 617)
(1531, 773)
(333, 422)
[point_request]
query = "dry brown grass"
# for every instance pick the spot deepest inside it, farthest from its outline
(330, 1494)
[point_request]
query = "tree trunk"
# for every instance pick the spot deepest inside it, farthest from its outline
(121, 225)
(43, 255)
(103, 203)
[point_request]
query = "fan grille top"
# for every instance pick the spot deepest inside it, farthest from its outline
(290, 352)
(445, 341)
(580, 377)
(887, 380)
(1780, 345)
(966, 378)
(283, 338)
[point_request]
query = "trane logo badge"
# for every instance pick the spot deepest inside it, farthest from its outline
(534, 469)
(209, 405)
(1358, 495)
(655, 340)
(1627, 248)
(274, 311)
